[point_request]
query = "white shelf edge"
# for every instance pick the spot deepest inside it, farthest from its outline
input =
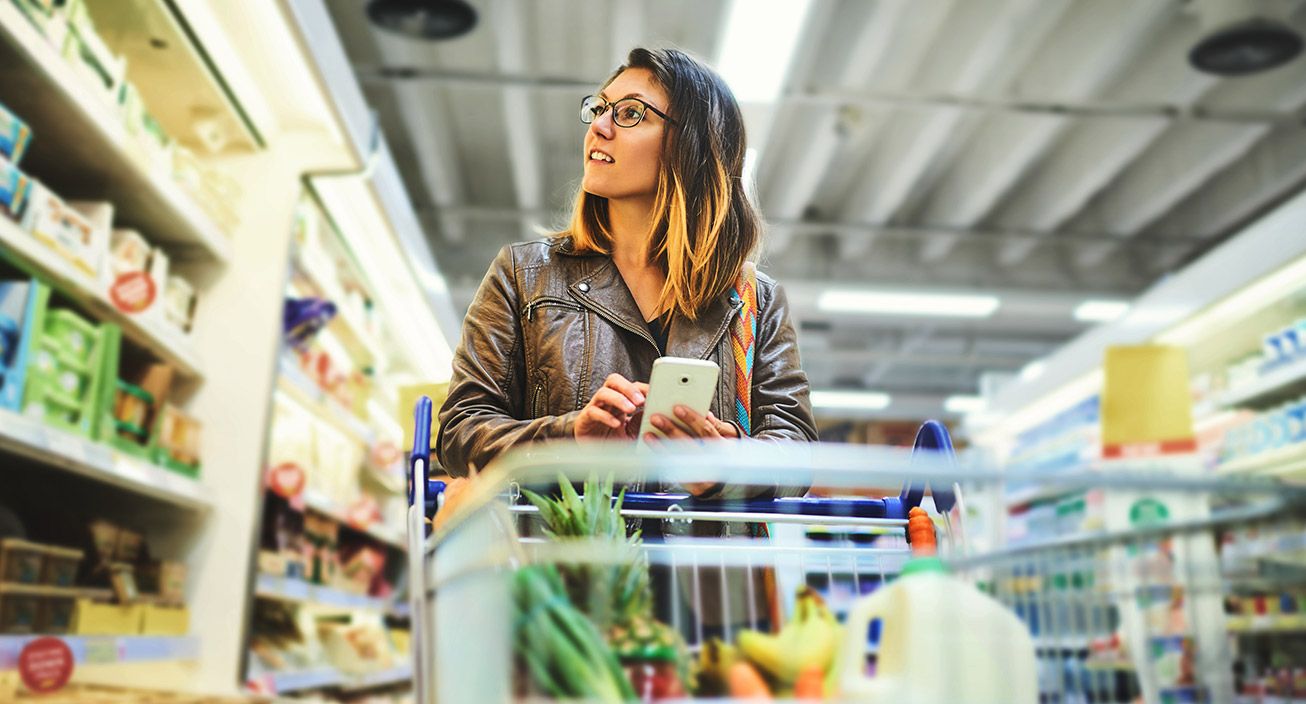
(299, 591)
(171, 346)
(1289, 459)
(1266, 384)
(324, 677)
(66, 451)
(108, 650)
(98, 113)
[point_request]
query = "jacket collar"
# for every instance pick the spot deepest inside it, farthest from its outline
(603, 291)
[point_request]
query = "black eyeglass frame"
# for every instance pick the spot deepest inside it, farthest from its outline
(614, 104)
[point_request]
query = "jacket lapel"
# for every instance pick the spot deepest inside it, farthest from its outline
(603, 291)
(697, 338)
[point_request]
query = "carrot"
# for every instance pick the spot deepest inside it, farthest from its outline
(746, 684)
(810, 685)
(452, 492)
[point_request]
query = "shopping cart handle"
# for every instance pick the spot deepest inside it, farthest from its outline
(932, 437)
(419, 461)
(805, 506)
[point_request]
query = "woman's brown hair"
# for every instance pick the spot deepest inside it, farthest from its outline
(703, 226)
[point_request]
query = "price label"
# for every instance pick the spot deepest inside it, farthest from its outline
(101, 651)
(45, 665)
(133, 292)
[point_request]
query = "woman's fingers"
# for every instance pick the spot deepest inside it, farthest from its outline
(598, 414)
(699, 426)
(614, 401)
(626, 388)
(727, 430)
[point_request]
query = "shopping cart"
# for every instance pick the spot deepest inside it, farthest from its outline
(1141, 606)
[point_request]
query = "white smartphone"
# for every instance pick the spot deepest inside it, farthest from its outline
(678, 381)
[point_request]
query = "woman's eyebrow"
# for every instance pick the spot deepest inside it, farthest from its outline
(641, 96)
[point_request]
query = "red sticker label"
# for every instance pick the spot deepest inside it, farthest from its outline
(133, 292)
(287, 480)
(46, 665)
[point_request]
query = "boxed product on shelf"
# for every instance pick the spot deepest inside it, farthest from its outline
(96, 618)
(151, 140)
(178, 440)
(86, 52)
(65, 230)
(64, 383)
(49, 16)
(14, 136)
(160, 620)
(136, 274)
(213, 191)
(163, 579)
(21, 302)
(19, 612)
(179, 303)
(15, 190)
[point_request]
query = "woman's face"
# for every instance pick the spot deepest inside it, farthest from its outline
(635, 152)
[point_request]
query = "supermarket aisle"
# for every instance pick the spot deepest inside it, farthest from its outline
(237, 244)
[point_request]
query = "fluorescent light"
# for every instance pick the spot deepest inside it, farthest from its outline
(860, 400)
(759, 43)
(942, 305)
(1033, 370)
(1096, 311)
(965, 404)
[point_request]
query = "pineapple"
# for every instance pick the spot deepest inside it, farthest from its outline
(617, 597)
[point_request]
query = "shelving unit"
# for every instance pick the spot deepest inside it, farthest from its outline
(321, 504)
(78, 127)
(165, 341)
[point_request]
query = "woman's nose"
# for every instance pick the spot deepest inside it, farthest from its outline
(602, 125)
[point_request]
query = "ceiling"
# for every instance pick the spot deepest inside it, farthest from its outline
(1045, 151)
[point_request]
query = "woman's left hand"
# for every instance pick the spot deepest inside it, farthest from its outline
(696, 427)
(692, 426)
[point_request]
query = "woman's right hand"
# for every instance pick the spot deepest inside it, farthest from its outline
(614, 412)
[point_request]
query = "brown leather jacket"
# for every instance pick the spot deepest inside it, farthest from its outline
(549, 324)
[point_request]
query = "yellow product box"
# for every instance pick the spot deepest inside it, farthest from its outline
(164, 620)
(95, 618)
(65, 230)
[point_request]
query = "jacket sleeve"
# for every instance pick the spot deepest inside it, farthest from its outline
(782, 406)
(483, 415)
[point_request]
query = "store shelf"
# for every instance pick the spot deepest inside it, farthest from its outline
(61, 450)
(1068, 642)
(299, 387)
(1285, 461)
(1272, 387)
(158, 336)
(299, 591)
(1285, 623)
(330, 678)
(81, 140)
(109, 650)
(325, 506)
(350, 331)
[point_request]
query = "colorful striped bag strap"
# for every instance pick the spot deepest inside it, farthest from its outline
(743, 333)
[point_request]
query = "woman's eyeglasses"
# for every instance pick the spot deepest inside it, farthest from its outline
(626, 112)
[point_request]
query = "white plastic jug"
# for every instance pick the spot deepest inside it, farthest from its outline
(942, 641)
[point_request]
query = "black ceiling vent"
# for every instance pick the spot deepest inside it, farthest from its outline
(423, 19)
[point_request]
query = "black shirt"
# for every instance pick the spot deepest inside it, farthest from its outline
(659, 330)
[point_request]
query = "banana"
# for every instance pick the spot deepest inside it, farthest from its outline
(714, 663)
(810, 639)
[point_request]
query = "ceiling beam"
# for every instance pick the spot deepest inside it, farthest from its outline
(1103, 38)
(907, 162)
(791, 186)
(426, 115)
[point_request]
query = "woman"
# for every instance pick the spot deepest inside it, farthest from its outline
(562, 334)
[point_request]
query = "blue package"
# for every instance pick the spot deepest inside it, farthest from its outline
(14, 188)
(1297, 420)
(14, 136)
(17, 305)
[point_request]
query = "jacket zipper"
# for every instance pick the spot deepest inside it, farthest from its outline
(535, 400)
(530, 307)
